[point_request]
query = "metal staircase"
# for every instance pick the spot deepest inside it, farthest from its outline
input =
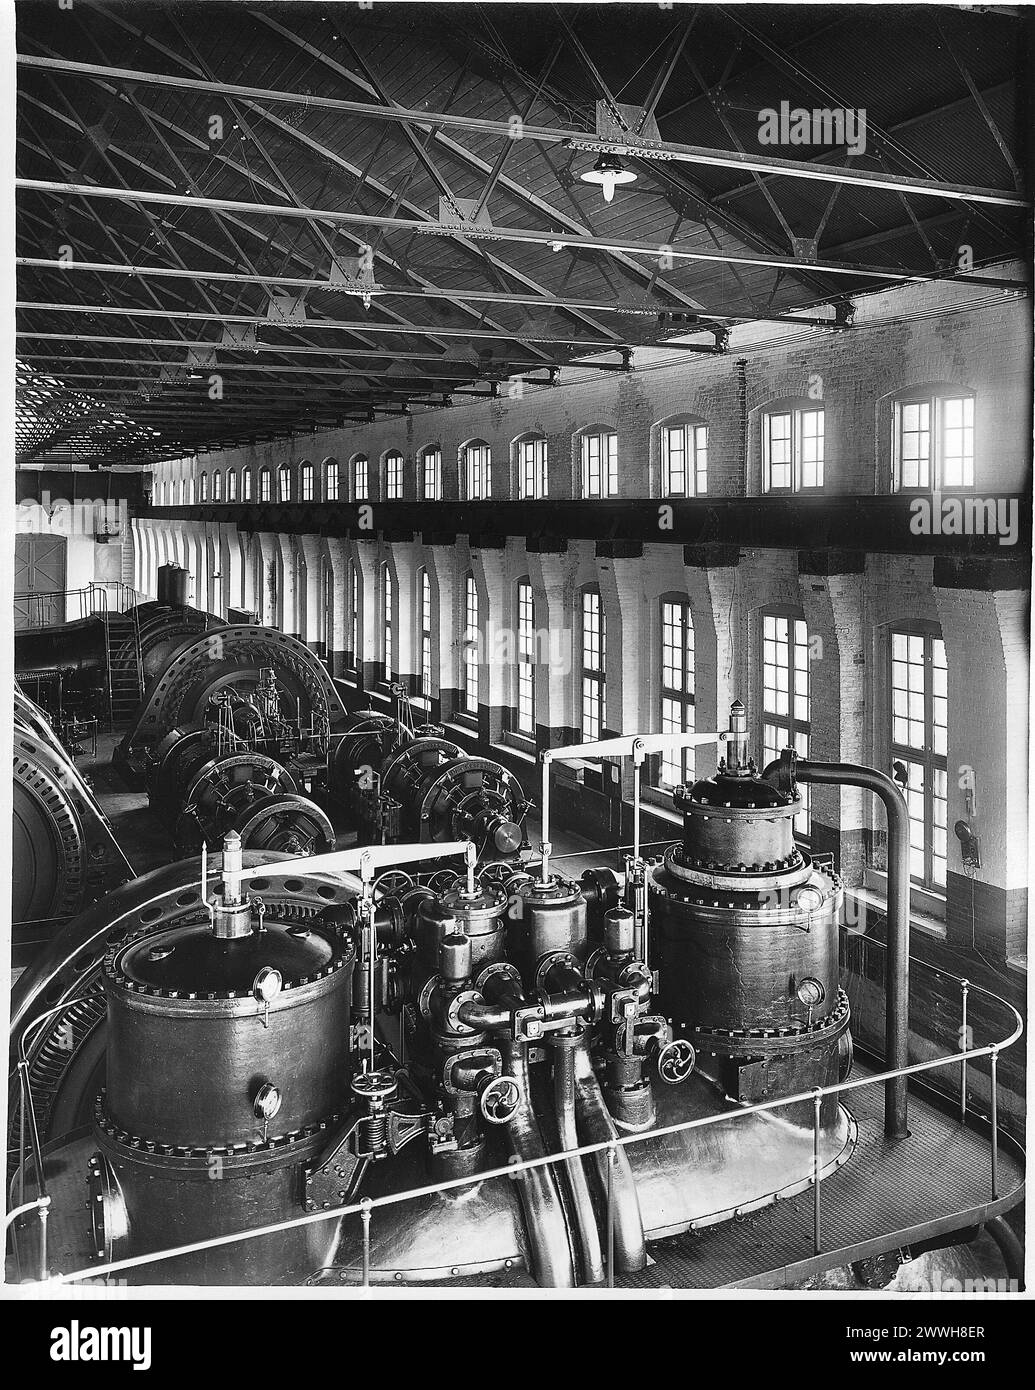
(123, 666)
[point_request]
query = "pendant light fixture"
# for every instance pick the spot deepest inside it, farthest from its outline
(608, 172)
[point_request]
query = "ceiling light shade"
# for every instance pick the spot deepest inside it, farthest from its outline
(608, 171)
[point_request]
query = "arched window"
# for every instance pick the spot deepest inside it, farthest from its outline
(284, 483)
(593, 649)
(786, 696)
(246, 484)
(231, 485)
(918, 717)
(217, 485)
(264, 485)
(360, 478)
(793, 448)
(477, 458)
(933, 440)
(431, 474)
(525, 658)
(330, 480)
(472, 644)
(677, 688)
(305, 484)
(424, 634)
(531, 464)
(684, 459)
(393, 476)
(204, 487)
(386, 616)
(598, 451)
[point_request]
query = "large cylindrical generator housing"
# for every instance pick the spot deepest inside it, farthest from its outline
(743, 935)
(253, 1033)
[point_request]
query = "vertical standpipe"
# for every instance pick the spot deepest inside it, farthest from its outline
(896, 1015)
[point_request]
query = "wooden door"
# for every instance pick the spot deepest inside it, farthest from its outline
(39, 581)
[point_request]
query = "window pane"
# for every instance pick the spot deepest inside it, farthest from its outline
(677, 688)
(386, 613)
(593, 685)
(913, 444)
(471, 642)
(599, 465)
(810, 446)
(957, 461)
(526, 659)
(393, 477)
(477, 472)
(919, 720)
(777, 450)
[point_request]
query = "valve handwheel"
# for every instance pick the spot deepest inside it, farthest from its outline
(391, 884)
(442, 880)
(500, 1099)
(676, 1061)
(375, 1086)
(497, 872)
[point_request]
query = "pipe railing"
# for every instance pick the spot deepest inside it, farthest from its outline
(814, 1097)
(99, 598)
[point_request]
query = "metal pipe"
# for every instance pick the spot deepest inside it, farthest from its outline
(964, 1044)
(364, 1217)
(44, 1213)
(33, 1128)
(612, 1154)
(582, 1204)
(597, 1127)
(896, 1033)
(1011, 1250)
(994, 1059)
(537, 1189)
(817, 1216)
(21, 1137)
(544, 845)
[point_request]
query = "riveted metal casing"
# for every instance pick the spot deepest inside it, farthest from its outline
(547, 920)
(190, 1043)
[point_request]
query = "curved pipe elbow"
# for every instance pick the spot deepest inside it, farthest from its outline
(486, 1018)
(597, 1127)
(545, 1221)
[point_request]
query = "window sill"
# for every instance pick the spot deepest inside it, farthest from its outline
(659, 808)
(462, 725)
(515, 750)
(926, 910)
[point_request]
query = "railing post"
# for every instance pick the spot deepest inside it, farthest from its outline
(44, 1210)
(817, 1177)
(365, 1218)
(21, 1137)
(994, 1055)
(612, 1158)
(964, 1048)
